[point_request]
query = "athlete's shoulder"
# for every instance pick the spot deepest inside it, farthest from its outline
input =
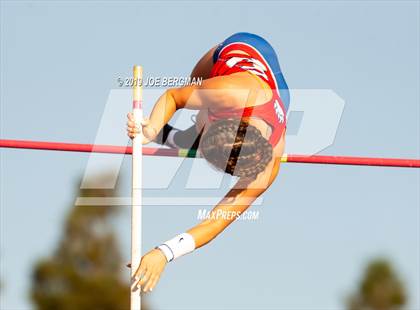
(228, 91)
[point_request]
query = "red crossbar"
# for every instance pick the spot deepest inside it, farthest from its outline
(88, 148)
(149, 151)
(352, 160)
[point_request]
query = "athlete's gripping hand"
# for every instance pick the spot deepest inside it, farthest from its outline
(149, 133)
(151, 266)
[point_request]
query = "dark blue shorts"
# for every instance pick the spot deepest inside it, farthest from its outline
(267, 51)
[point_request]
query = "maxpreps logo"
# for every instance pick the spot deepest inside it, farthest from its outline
(279, 111)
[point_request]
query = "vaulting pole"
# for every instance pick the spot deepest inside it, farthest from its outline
(136, 196)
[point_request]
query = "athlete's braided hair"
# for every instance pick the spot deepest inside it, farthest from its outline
(236, 147)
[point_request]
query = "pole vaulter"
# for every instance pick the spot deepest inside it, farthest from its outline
(241, 136)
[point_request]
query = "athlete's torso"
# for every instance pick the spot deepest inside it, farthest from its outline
(240, 57)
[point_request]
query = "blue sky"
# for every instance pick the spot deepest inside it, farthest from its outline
(318, 225)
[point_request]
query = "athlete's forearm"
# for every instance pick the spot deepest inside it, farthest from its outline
(163, 111)
(206, 231)
(237, 200)
(227, 211)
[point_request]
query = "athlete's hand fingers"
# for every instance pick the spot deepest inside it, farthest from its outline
(133, 129)
(153, 264)
(131, 124)
(139, 272)
(130, 116)
(131, 120)
(152, 283)
(132, 135)
(145, 278)
(146, 287)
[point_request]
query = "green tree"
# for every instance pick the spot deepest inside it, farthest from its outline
(379, 289)
(85, 270)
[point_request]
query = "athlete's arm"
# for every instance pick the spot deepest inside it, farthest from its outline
(217, 92)
(222, 92)
(233, 205)
(236, 202)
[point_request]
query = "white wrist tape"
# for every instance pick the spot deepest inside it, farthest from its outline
(178, 246)
(170, 139)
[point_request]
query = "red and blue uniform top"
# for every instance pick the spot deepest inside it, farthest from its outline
(273, 111)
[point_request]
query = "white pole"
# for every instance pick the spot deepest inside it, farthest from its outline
(136, 196)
